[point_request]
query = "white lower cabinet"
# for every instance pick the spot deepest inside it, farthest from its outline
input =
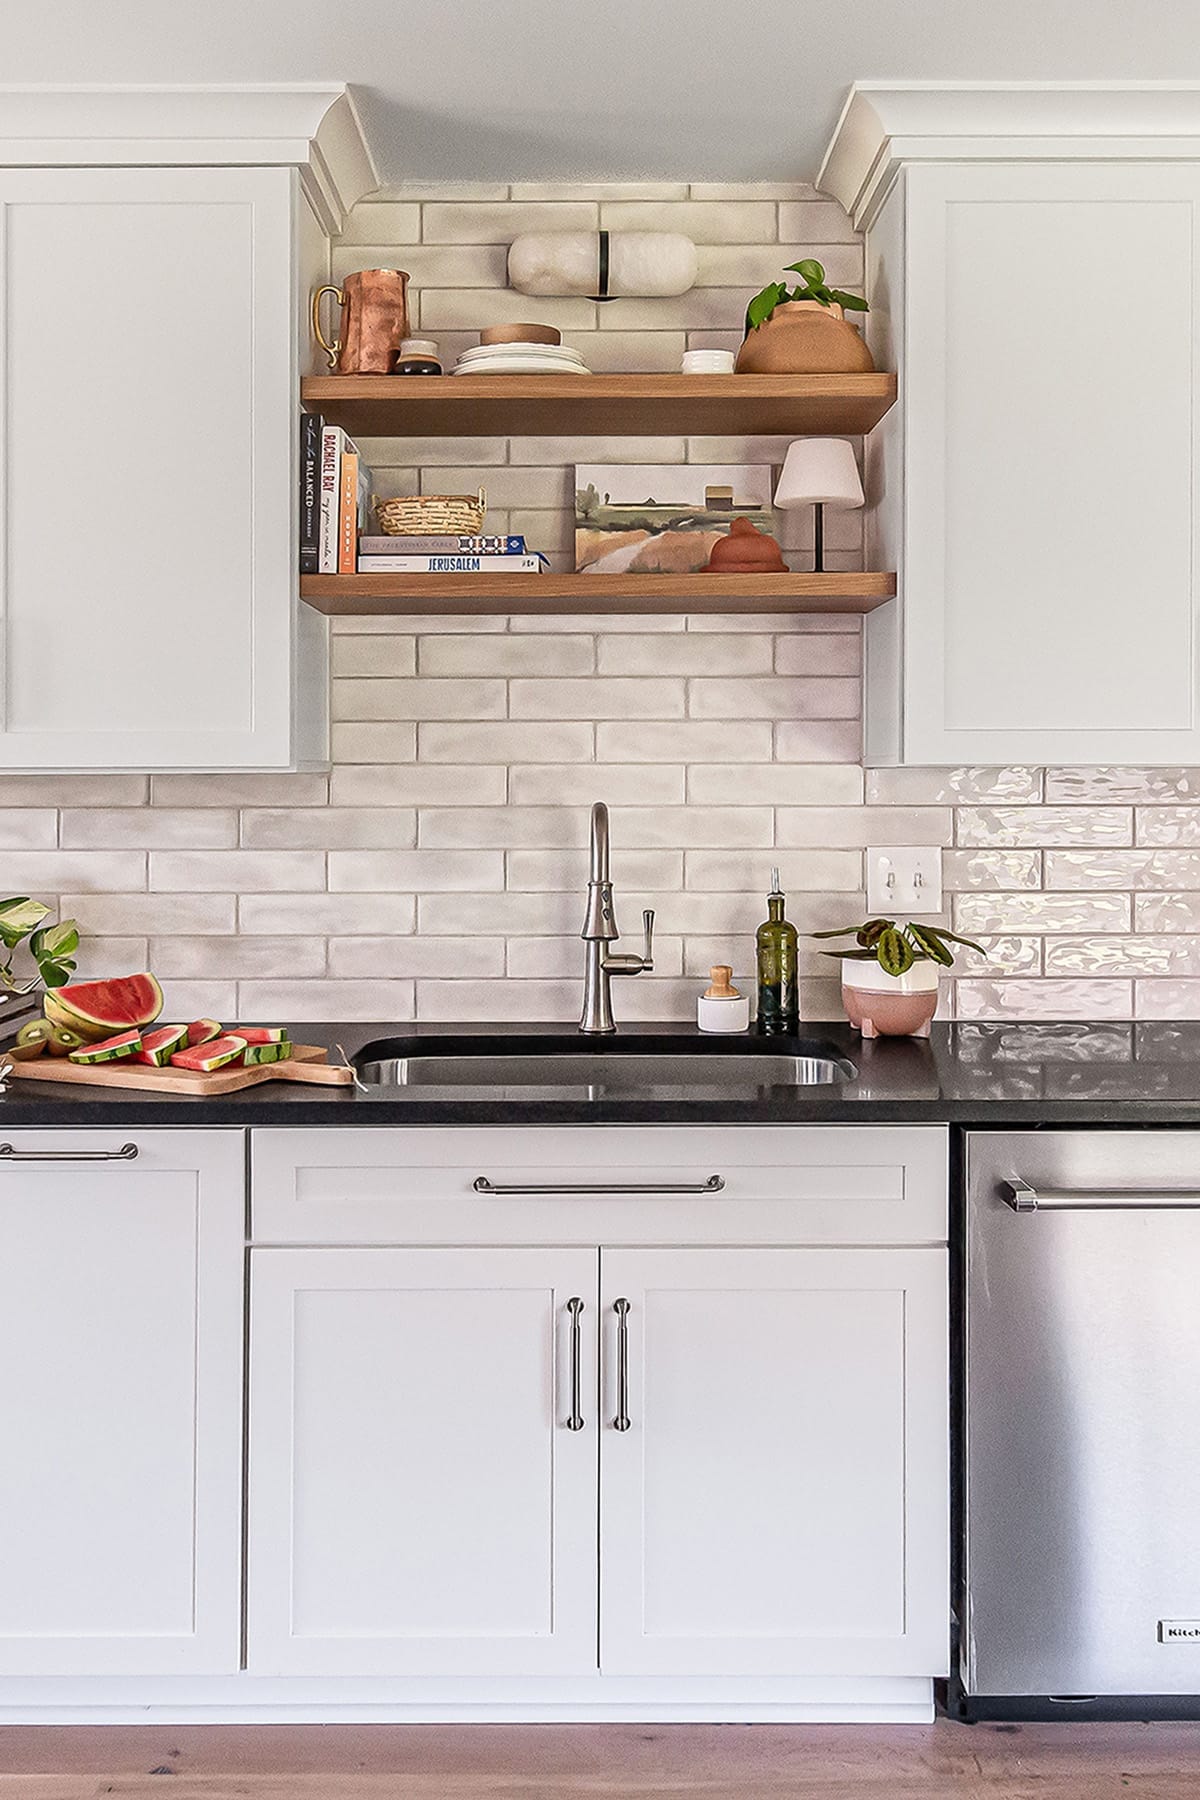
(120, 1402)
(418, 1504)
(607, 1466)
(777, 1504)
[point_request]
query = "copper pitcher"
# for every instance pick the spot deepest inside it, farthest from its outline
(374, 305)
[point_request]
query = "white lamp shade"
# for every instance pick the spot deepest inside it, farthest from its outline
(819, 471)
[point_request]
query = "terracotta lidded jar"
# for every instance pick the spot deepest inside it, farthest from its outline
(744, 550)
(802, 337)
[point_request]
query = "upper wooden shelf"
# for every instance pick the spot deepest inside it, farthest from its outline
(609, 405)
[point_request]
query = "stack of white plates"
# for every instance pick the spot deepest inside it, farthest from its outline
(521, 359)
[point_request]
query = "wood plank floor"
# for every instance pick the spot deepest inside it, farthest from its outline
(602, 1762)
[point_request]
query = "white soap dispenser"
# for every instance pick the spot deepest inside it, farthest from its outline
(720, 1007)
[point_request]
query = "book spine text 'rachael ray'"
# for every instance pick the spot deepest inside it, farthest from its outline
(332, 440)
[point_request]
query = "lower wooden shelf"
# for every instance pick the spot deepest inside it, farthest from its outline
(855, 592)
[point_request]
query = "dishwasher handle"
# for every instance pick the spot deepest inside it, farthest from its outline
(1024, 1198)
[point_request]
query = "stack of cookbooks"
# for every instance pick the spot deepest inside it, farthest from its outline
(436, 555)
(335, 498)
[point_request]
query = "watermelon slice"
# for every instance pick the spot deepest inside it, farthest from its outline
(216, 1054)
(110, 1049)
(157, 1047)
(202, 1031)
(261, 1034)
(101, 1009)
(266, 1053)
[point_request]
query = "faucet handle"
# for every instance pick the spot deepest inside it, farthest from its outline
(648, 946)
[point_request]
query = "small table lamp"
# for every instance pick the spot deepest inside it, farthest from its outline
(819, 472)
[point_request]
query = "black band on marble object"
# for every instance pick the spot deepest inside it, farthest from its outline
(603, 280)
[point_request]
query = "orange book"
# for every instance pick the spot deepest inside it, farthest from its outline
(347, 560)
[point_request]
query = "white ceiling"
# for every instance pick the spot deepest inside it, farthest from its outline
(528, 90)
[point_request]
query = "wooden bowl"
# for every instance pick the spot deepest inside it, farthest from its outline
(520, 334)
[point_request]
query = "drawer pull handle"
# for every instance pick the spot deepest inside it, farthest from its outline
(713, 1185)
(621, 1422)
(1022, 1198)
(575, 1420)
(126, 1153)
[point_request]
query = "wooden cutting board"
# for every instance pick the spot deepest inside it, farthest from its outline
(306, 1063)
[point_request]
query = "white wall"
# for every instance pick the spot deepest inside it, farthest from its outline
(439, 871)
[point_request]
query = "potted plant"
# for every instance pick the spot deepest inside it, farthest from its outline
(52, 947)
(802, 330)
(890, 979)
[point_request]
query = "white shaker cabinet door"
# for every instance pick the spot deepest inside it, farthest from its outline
(147, 416)
(419, 1504)
(777, 1503)
(121, 1319)
(1047, 327)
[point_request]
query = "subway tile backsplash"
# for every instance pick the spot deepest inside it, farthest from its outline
(437, 871)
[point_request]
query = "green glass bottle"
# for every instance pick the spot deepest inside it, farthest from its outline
(778, 1000)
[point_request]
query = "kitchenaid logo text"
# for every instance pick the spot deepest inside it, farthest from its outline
(1178, 1631)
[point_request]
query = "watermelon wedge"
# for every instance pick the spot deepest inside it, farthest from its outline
(102, 1009)
(216, 1054)
(267, 1053)
(203, 1031)
(110, 1049)
(157, 1047)
(261, 1034)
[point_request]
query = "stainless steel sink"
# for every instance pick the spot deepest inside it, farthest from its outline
(626, 1071)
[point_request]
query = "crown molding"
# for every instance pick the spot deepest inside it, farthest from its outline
(310, 126)
(885, 125)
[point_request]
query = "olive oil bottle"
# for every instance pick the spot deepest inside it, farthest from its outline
(778, 1000)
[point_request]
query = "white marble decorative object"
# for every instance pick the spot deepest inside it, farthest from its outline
(641, 264)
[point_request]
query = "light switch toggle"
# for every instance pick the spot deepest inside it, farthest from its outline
(904, 879)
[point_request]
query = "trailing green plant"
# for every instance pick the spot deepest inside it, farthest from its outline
(811, 286)
(897, 947)
(52, 947)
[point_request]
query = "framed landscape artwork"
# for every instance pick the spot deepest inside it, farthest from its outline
(663, 519)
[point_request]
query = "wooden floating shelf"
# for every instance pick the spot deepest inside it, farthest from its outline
(611, 405)
(427, 595)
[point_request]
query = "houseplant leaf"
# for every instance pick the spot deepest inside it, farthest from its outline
(929, 944)
(893, 952)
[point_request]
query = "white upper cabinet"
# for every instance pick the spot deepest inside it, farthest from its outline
(152, 319)
(1033, 278)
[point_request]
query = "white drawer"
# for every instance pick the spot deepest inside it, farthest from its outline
(820, 1184)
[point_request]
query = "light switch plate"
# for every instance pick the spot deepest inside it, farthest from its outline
(904, 879)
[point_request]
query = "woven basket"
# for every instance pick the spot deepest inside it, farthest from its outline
(418, 515)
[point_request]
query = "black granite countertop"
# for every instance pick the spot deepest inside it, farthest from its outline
(1103, 1073)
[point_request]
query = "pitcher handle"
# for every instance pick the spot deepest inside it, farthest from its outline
(333, 350)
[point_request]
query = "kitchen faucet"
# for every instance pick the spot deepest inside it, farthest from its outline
(599, 930)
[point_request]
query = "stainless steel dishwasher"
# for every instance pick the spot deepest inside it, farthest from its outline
(1081, 1408)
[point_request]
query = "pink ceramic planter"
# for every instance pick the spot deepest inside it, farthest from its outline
(883, 1005)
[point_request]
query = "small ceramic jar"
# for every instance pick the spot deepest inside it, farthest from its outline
(721, 1007)
(417, 356)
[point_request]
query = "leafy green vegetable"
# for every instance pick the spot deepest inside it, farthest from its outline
(812, 286)
(52, 947)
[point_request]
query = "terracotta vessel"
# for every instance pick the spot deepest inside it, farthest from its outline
(374, 323)
(883, 1005)
(802, 337)
(744, 550)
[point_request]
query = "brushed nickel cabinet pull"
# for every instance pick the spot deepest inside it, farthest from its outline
(126, 1153)
(713, 1185)
(575, 1420)
(621, 1422)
